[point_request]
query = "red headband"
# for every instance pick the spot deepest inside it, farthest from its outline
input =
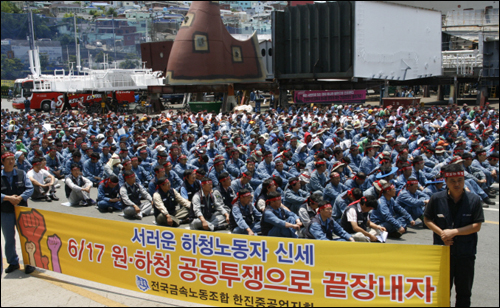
(160, 170)
(134, 158)
(294, 182)
(407, 168)
(127, 162)
(206, 182)
(129, 176)
(324, 207)
(387, 188)
(453, 174)
(412, 182)
(218, 163)
(273, 199)
(321, 162)
(34, 164)
(164, 182)
(224, 179)
(336, 175)
(7, 155)
(75, 167)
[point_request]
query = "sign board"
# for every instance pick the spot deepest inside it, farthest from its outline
(330, 97)
(234, 270)
(406, 45)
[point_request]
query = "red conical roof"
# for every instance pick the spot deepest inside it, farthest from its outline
(205, 53)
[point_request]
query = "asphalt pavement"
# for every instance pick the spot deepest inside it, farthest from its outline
(46, 288)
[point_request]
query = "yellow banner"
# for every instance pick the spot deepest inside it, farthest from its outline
(8, 83)
(234, 270)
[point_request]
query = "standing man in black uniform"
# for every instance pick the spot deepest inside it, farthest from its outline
(16, 189)
(456, 216)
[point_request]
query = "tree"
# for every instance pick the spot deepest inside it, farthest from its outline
(66, 39)
(131, 56)
(44, 61)
(15, 26)
(129, 64)
(11, 68)
(111, 11)
(9, 7)
(100, 57)
(43, 31)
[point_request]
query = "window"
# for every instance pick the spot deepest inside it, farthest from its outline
(237, 56)
(200, 41)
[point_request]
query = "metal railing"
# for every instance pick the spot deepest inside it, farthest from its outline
(464, 61)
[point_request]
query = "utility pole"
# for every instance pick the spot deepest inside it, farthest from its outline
(114, 38)
(77, 47)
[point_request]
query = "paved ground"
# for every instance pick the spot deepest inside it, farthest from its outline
(45, 288)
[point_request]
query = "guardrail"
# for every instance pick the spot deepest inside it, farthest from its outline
(464, 61)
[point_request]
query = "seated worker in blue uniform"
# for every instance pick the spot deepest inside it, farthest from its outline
(412, 199)
(278, 221)
(108, 195)
(434, 186)
(323, 227)
(388, 214)
(244, 217)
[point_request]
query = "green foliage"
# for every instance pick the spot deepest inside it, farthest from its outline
(15, 26)
(44, 61)
(111, 11)
(129, 64)
(131, 56)
(66, 39)
(9, 7)
(11, 68)
(100, 57)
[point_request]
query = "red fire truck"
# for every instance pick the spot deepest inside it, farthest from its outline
(41, 100)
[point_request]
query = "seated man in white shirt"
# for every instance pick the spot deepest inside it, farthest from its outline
(356, 221)
(43, 182)
(78, 188)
